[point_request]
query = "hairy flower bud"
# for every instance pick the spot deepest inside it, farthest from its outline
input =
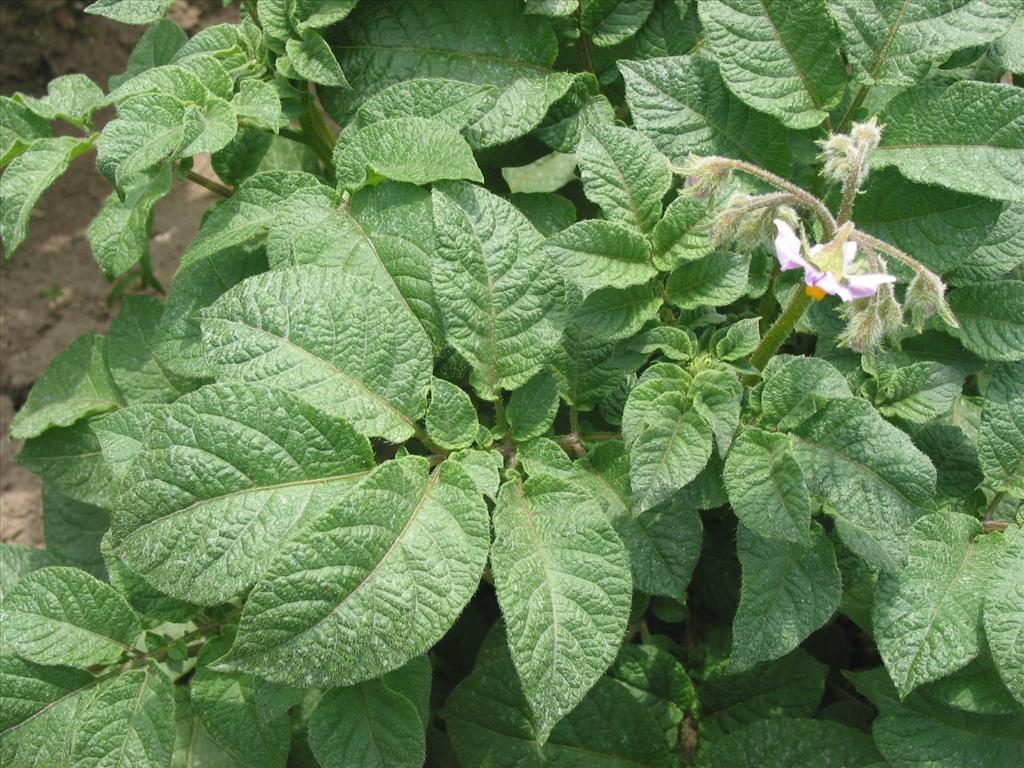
(867, 134)
(926, 296)
(748, 221)
(705, 177)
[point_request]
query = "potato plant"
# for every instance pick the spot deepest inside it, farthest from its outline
(553, 383)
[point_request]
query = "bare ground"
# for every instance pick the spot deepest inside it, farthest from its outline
(52, 291)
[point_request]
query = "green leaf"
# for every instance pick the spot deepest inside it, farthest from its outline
(313, 60)
(656, 679)
(490, 722)
(130, 721)
(564, 587)
(714, 280)
(65, 616)
(893, 44)
(955, 459)
(795, 388)
(1004, 616)
(414, 149)
(966, 137)
(155, 48)
(306, 330)
(991, 317)
(246, 153)
(19, 127)
(789, 590)
(249, 213)
(69, 97)
(1001, 436)
(777, 56)
(789, 687)
(194, 747)
(317, 14)
(247, 462)
(484, 467)
(597, 254)
(532, 408)
(27, 177)
(196, 286)
(122, 434)
(927, 616)
(39, 706)
(69, 460)
(614, 313)
(451, 416)
(455, 103)
(73, 531)
(681, 103)
(409, 39)
(225, 705)
(876, 482)
(131, 11)
(376, 723)
(658, 379)
(135, 362)
(678, 236)
(150, 128)
(258, 104)
(920, 731)
(119, 235)
(739, 340)
(503, 304)
(918, 392)
(663, 542)
(76, 384)
(980, 239)
(670, 452)
(624, 174)
(610, 22)
(766, 487)
(373, 582)
(717, 395)
(793, 743)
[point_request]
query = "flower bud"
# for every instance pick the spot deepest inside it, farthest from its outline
(705, 177)
(867, 134)
(926, 296)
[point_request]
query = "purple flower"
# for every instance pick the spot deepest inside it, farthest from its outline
(826, 267)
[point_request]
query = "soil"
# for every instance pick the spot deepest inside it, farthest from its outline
(52, 291)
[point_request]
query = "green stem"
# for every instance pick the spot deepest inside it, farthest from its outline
(852, 185)
(321, 139)
(780, 329)
(990, 511)
(146, 268)
(250, 6)
(500, 419)
(210, 184)
(421, 434)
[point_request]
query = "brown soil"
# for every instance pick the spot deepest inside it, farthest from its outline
(52, 291)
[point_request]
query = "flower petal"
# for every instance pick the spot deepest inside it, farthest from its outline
(861, 286)
(849, 254)
(828, 282)
(787, 247)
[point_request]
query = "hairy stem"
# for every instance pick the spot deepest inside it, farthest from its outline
(780, 329)
(801, 197)
(250, 6)
(880, 245)
(852, 184)
(321, 139)
(421, 434)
